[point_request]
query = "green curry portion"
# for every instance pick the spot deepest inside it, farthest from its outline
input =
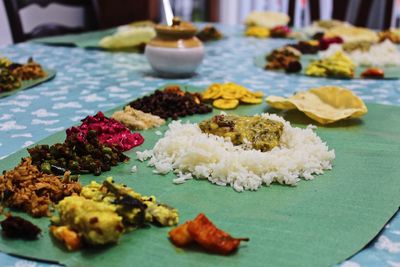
(263, 134)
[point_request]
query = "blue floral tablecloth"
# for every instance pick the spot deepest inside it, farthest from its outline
(90, 80)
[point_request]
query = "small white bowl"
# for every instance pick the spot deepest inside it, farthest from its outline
(174, 62)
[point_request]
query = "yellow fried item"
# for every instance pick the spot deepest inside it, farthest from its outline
(214, 91)
(325, 104)
(251, 100)
(226, 103)
(229, 94)
(233, 91)
(257, 31)
(256, 94)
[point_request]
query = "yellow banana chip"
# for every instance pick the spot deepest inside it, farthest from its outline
(214, 91)
(232, 93)
(251, 100)
(226, 103)
(257, 94)
(325, 105)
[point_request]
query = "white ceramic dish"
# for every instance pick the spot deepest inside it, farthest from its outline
(174, 62)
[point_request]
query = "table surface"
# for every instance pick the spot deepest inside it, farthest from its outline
(90, 80)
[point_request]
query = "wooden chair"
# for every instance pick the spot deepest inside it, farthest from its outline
(111, 13)
(340, 8)
(212, 10)
(13, 8)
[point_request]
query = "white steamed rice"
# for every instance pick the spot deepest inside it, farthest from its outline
(187, 151)
(380, 55)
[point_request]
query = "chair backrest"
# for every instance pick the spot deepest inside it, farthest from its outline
(363, 13)
(111, 13)
(235, 11)
(19, 34)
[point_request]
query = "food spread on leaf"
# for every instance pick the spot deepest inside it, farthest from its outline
(104, 212)
(204, 233)
(229, 95)
(367, 54)
(224, 156)
(13, 74)
(325, 105)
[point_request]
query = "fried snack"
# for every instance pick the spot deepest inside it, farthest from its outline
(28, 189)
(229, 95)
(203, 232)
(226, 103)
(325, 105)
(29, 71)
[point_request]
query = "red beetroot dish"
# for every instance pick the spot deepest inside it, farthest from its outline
(109, 132)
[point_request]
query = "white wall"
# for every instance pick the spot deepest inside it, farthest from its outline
(5, 34)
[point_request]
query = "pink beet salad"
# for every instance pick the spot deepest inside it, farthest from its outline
(109, 132)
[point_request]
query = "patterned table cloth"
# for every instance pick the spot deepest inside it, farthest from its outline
(88, 81)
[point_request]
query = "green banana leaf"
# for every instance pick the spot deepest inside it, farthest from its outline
(31, 83)
(317, 223)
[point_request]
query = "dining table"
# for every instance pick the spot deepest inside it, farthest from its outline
(91, 80)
